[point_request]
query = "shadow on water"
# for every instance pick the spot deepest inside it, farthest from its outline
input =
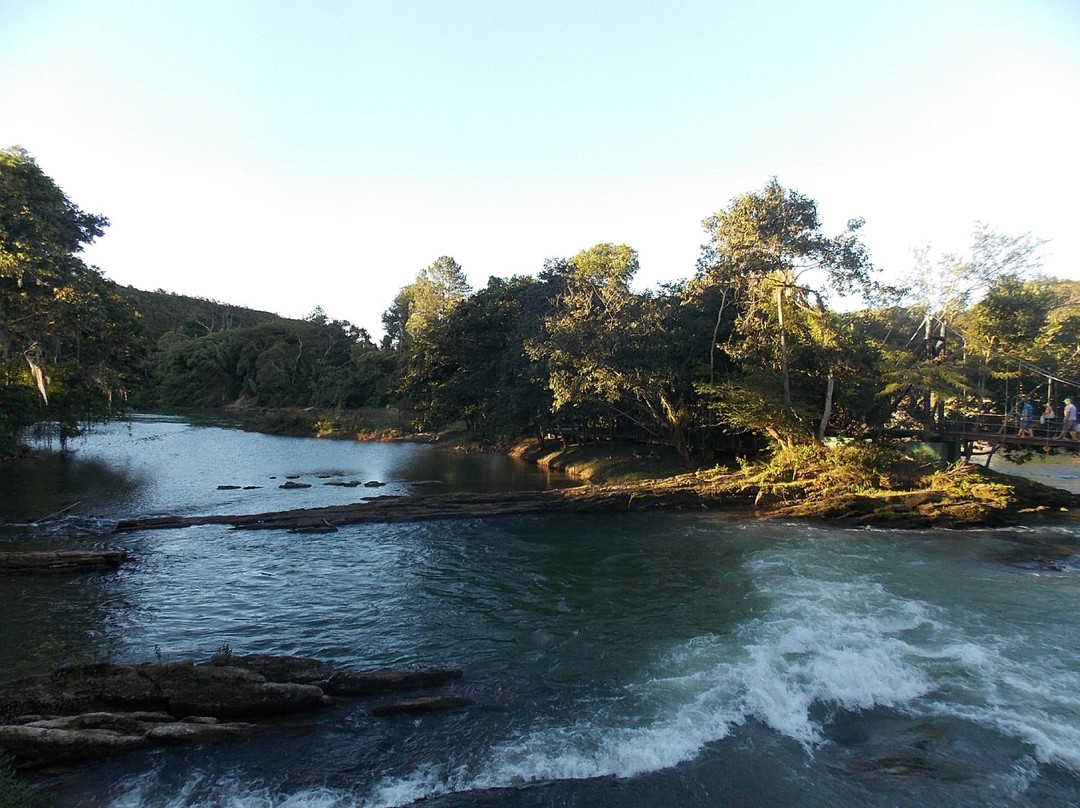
(46, 482)
(92, 605)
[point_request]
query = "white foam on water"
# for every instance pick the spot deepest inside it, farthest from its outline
(824, 630)
(817, 642)
(229, 792)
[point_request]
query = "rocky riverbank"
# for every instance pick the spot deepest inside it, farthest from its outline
(963, 496)
(97, 710)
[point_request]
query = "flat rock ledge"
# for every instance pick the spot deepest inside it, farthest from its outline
(98, 710)
(984, 498)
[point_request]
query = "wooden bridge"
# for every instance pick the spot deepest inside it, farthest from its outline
(992, 430)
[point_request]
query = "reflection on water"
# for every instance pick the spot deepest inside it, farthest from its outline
(47, 482)
(153, 465)
(1060, 469)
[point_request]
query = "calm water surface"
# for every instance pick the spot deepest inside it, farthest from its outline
(626, 661)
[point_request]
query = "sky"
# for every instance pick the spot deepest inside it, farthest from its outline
(288, 155)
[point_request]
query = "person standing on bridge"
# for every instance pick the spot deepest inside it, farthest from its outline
(1047, 418)
(1069, 424)
(1027, 415)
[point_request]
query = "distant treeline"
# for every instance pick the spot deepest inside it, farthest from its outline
(749, 345)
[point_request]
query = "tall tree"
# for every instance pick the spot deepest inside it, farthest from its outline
(64, 330)
(604, 346)
(775, 267)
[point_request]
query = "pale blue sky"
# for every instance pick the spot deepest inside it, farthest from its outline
(287, 155)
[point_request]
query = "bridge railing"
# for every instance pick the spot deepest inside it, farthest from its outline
(988, 424)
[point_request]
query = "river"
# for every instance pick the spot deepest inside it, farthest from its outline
(661, 659)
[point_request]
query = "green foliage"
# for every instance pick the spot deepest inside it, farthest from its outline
(287, 363)
(65, 331)
(471, 365)
(363, 424)
(773, 267)
(852, 467)
(164, 312)
(959, 484)
(422, 304)
(605, 348)
(748, 345)
(222, 656)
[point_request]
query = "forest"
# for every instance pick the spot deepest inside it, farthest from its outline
(782, 334)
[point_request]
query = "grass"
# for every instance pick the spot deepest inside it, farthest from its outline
(366, 424)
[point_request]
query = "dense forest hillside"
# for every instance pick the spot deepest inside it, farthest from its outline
(161, 312)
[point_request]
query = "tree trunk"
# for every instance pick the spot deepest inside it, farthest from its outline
(715, 332)
(827, 413)
(783, 352)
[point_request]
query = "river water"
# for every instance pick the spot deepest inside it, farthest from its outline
(661, 659)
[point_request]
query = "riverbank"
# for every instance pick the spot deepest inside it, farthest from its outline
(857, 486)
(372, 424)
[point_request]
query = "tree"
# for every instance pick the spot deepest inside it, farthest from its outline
(65, 332)
(774, 267)
(605, 347)
(472, 365)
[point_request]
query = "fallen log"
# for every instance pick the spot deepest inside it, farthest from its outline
(60, 561)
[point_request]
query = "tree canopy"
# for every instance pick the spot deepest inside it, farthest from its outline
(69, 342)
(749, 350)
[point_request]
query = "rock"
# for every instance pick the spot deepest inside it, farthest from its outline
(227, 692)
(192, 731)
(92, 711)
(298, 670)
(99, 687)
(358, 683)
(923, 498)
(374, 484)
(428, 483)
(251, 487)
(424, 704)
(293, 484)
(61, 561)
(32, 747)
(228, 487)
(96, 735)
(177, 688)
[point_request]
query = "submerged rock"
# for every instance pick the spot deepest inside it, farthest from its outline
(423, 704)
(294, 484)
(357, 683)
